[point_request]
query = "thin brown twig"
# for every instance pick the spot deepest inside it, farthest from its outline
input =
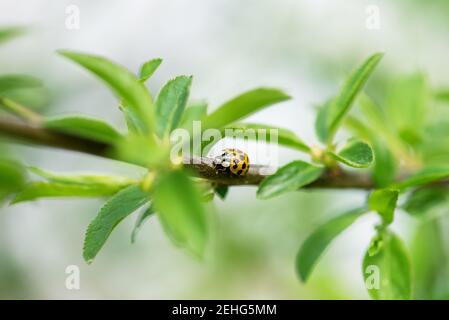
(203, 167)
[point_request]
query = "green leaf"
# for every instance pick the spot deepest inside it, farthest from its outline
(32, 97)
(111, 214)
(221, 191)
(430, 271)
(340, 106)
(144, 216)
(85, 127)
(18, 81)
(380, 126)
(425, 176)
(386, 269)
(314, 246)
(355, 153)
(132, 122)
(207, 196)
(178, 205)
(244, 105)
(124, 84)
(422, 202)
(148, 68)
(384, 201)
(37, 190)
(384, 168)
(116, 182)
(290, 177)
(20, 111)
(285, 137)
(442, 95)
(70, 185)
(7, 33)
(375, 116)
(171, 103)
(407, 103)
(194, 112)
(12, 176)
(435, 152)
(141, 150)
(321, 127)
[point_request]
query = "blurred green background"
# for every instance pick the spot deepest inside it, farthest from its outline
(229, 46)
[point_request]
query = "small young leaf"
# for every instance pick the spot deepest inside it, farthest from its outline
(289, 178)
(144, 216)
(171, 103)
(340, 106)
(244, 105)
(384, 201)
(285, 137)
(112, 213)
(18, 81)
(425, 176)
(178, 205)
(222, 191)
(355, 153)
(37, 190)
(85, 127)
(314, 246)
(124, 84)
(386, 270)
(148, 68)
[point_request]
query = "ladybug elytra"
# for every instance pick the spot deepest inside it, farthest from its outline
(233, 161)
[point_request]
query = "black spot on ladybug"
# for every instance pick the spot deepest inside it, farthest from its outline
(239, 172)
(244, 166)
(235, 166)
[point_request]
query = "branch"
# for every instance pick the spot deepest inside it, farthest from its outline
(203, 167)
(35, 134)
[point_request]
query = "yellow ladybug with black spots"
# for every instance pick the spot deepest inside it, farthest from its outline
(232, 161)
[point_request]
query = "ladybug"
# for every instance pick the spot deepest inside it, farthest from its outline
(232, 161)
